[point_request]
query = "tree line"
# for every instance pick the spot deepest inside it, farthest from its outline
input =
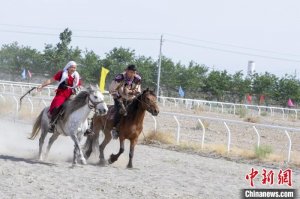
(197, 80)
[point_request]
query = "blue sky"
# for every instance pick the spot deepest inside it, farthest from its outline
(223, 35)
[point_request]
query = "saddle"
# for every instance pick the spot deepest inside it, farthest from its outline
(112, 112)
(62, 108)
(58, 113)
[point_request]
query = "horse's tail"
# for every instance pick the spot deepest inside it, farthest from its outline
(36, 127)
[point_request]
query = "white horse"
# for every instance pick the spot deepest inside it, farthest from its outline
(73, 123)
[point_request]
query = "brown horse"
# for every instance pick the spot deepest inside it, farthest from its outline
(130, 126)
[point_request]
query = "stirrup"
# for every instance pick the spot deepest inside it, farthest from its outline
(115, 133)
(51, 128)
(89, 132)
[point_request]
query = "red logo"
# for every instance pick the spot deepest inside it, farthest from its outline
(283, 177)
(251, 176)
(267, 177)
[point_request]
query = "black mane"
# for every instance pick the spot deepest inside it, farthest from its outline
(134, 105)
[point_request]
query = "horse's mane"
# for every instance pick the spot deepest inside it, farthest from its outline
(133, 106)
(75, 104)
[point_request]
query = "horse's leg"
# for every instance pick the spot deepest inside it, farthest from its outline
(114, 157)
(93, 138)
(88, 147)
(77, 148)
(80, 136)
(41, 143)
(131, 152)
(51, 141)
(107, 139)
(76, 145)
(75, 155)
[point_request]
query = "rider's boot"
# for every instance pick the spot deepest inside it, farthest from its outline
(122, 110)
(115, 132)
(116, 125)
(89, 131)
(54, 117)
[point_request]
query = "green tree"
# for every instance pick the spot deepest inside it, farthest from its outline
(217, 84)
(147, 69)
(56, 57)
(287, 87)
(89, 67)
(264, 84)
(239, 86)
(193, 79)
(15, 58)
(169, 78)
(117, 60)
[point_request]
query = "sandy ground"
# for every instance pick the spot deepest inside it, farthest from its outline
(157, 173)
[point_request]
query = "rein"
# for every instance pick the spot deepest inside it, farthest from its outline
(142, 101)
(93, 105)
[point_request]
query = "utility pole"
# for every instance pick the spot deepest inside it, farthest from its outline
(159, 67)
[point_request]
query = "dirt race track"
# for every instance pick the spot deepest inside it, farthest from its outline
(158, 173)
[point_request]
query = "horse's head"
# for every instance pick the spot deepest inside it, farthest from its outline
(96, 100)
(149, 100)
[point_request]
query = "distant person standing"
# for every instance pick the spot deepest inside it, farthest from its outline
(261, 100)
(290, 103)
(249, 99)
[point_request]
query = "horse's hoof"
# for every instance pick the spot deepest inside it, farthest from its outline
(129, 167)
(112, 158)
(87, 154)
(103, 163)
(83, 162)
(89, 132)
(115, 134)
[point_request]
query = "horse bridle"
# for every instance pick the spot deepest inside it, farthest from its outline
(148, 106)
(93, 104)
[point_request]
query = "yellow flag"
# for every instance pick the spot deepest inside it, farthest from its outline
(104, 72)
